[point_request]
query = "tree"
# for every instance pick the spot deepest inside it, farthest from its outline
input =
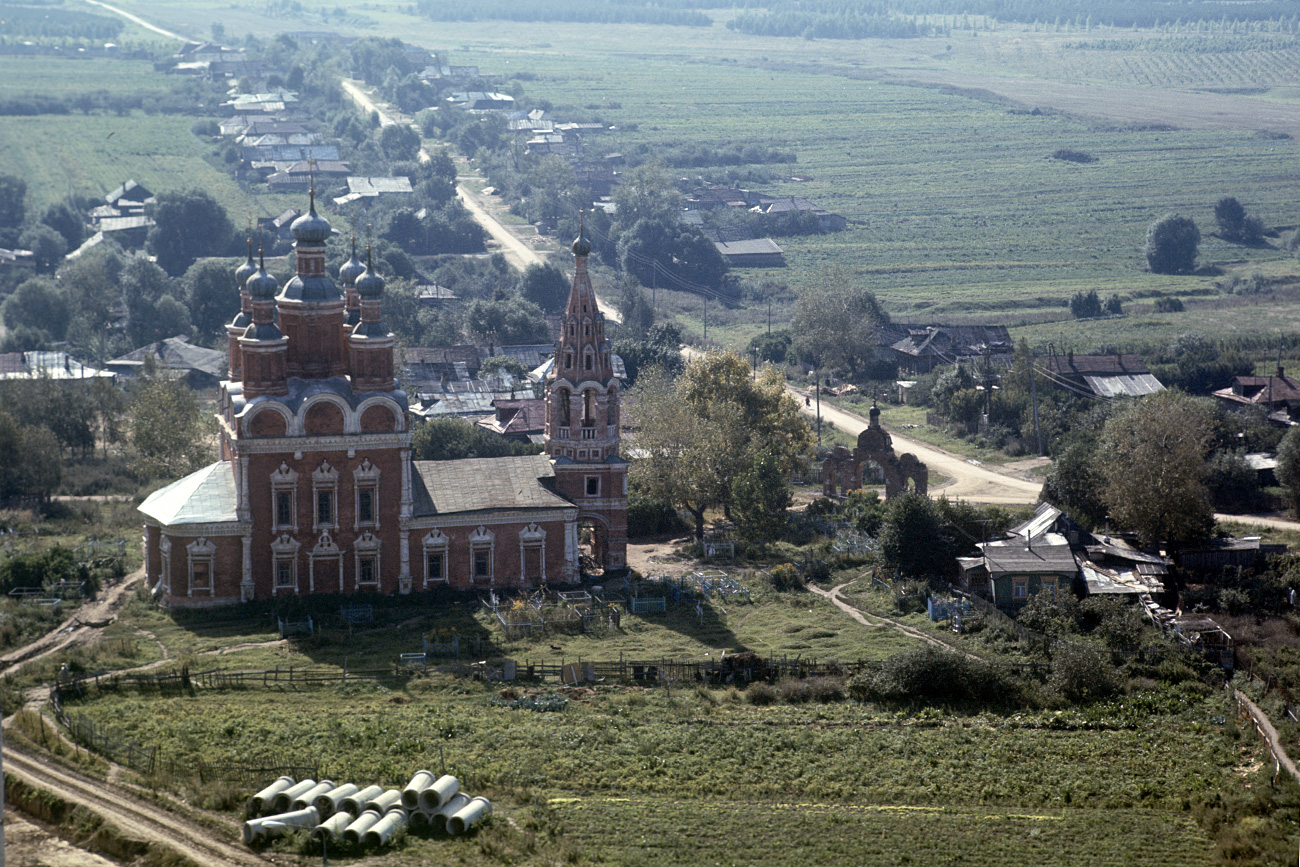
(545, 286)
(1172, 245)
(914, 538)
(666, 252)
(661, 347)
(190, 224)
(450, 439)
(507, 321)
(30, 460)
(397, 141)
(835, 320)
(1153, 468)
(646, 193)
(143, 286)
(213, 297)
(166, 427)
(1230, 216)
(1073, 485)
(762, 495)
(66, 219)
(1288, 466)
(47, 246)
(13, 190)
(39, 304)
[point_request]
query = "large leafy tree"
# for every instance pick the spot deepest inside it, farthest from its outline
(647, 193)
(167, 427)
(1288, 466)
(1172, 244)
(545, 286)
(702, 431)
(39, 304)
(213, 297)
(665, 252)
(13, 192)
(761, 497)
(1152, 466)
(190, 224)
(914, 538)
(835, 320)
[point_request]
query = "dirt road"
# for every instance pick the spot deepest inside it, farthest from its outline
(972, 482)
(134, 818)
(87, 621)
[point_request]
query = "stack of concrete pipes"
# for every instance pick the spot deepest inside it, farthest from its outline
(370, 817)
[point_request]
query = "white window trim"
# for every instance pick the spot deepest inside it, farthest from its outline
(325, 480)
(284, 550)
(366, 548)
(284, 479)
(1019, 588)
(202, 551)
(435, 541)
(324, 549)
(365, 477)
(532, 537)
(482, 539)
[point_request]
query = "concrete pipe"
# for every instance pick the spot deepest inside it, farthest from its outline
(332, 828)
(329, 802)
(258, 803)
(420, 820)
(256, 830)
(357, 830)
(439, 818)
(390, 800)
(437, 795)
(307, 798)
(280, 803)
(411, 794)
(386, 829)
(469, 815)
(357, 802)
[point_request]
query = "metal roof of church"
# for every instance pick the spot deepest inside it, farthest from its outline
(204, 497)
(480, 484)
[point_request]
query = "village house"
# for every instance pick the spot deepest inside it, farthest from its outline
(314, 489)
(1104, 376)
(925, 347)
(1278, 395)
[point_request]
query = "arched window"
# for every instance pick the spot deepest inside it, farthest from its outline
(589, 407)
(563, 396)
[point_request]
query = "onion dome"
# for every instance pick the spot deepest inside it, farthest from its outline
(370, 284)
(262, 286)
(311, 228)
(581, 246)
(246, 270)
(352, 268)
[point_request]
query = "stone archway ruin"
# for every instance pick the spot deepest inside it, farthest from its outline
(842, 469)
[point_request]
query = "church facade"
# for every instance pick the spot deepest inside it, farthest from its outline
(315, 490)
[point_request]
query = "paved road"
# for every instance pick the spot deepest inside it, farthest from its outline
(138, 20)
(972, 482)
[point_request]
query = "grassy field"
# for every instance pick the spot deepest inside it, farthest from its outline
(93, 154)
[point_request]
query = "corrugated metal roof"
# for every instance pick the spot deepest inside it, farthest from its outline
(1037, 558)
(1131, 385)
(478, 484)
(204, 497)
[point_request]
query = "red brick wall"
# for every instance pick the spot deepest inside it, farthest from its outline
(506, 554)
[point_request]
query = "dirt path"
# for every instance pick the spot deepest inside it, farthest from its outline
(833, 595)
(1269, 734)
(134, 818)
(973, 482)
(87, 621)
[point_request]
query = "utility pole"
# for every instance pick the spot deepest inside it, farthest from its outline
(817, 385)
(1033, 389)
(769, 315)
(705, 315)
(753, 351)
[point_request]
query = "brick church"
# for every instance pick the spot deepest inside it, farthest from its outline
(315, 490)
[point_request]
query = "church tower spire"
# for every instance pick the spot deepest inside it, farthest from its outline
(583, 418)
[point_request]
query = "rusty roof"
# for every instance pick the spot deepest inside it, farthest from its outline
(481, 484)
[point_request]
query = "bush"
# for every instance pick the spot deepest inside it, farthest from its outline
(1080, 674)
(811, 689)
(1168, 305)
(1073, 156)
(785, 577)
(761, 694)
(937, 675)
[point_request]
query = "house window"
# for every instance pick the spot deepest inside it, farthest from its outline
(1047, 587)
(324, 508)
(1020, 588)
(481, 551)
(532, 554)
(201, 554)
(283, 509)
(325, 486)
(284, 553)
(284, 485)
(366, 485)
(367, 547)
(593, 486)
(435, 566)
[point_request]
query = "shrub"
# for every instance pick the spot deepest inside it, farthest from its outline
(811, 689)
(1080, 674)
(1073, 156)
(761, 694)
(785, 577)
(1168, 305)
(936, 675)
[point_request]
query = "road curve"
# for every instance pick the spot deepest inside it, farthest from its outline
(972, 482)
(134, 818)
(136, 19)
